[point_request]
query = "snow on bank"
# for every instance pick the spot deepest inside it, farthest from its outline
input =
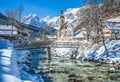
(99, 52)
(23, 59)
(8, 69)
(13, 66)
(63, 52)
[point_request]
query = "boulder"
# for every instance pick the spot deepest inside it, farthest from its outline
(111, 70)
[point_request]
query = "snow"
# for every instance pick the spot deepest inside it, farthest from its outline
(8, 27)
(99, 53)
(117, 19)
(53, 22)
(22, 57)
(8, 69)
(34, 20)
(47, 18)
(114, 23)
(113, 26)
(80, 34)
(71, 16)
(63, 52)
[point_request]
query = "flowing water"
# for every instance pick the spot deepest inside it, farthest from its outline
(67, 70)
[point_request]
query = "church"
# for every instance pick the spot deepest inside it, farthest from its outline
(64, 34)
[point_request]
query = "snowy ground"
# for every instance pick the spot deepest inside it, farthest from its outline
(93, 51)
(23, 57)
(64, 52)
(97, 52)
(11, 71)
(8, 69)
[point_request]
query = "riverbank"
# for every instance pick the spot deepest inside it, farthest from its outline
(8, 67)
(92, 52)
(13, 64)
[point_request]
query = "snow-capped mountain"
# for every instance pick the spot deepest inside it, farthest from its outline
(34, 20)
(71, 17)
(54, 22)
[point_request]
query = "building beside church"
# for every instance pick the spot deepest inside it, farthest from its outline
(64, 34)
(113, 27)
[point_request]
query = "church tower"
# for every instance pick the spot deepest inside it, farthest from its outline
(62, 19)
(63, 33)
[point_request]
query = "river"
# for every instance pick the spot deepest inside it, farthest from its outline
(61, 69)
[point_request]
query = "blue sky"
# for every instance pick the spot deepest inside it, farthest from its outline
(42, 8)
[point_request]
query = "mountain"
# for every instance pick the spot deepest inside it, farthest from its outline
(34, 20)
(6, 22)
(71, 17)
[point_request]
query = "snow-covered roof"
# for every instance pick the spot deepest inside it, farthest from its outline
(8, 27)
(117, 19)
(113, 24)
(7, 30)
(79, 34)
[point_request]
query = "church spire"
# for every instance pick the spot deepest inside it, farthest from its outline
(62, 11)
(62, 19)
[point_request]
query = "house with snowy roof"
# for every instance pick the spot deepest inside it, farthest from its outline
(112, 28)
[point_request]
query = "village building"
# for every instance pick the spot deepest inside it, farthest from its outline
(112, 29)
(64, 34)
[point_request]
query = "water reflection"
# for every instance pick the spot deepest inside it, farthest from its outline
(48, 62)
(38, 58)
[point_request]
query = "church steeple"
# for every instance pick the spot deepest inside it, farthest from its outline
(64, 34)
(62, 11)
(62, 19)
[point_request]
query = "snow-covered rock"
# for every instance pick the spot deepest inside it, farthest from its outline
(63, 52)
(112, 70)
(99, 53)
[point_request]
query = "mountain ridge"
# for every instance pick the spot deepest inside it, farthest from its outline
(71, 17)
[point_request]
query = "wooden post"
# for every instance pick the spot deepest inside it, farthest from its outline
(48, 55)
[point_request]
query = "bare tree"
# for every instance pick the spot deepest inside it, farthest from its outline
(111, 8)
(18, 12)
(15, 14)
(91, 19)
(85, 17)
(94, 20)
(10, 14)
